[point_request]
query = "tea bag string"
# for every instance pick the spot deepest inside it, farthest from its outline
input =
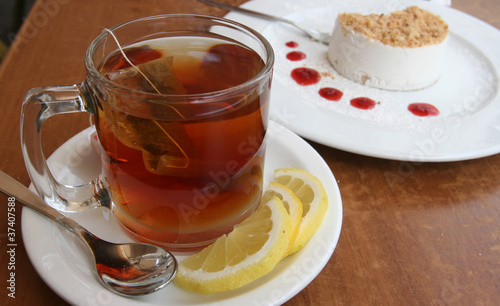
(128, 61)
(139, 70)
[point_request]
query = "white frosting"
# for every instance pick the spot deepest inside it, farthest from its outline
(372, 63)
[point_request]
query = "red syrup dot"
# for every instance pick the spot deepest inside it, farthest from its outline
(292, 44)
(296, 56)
(305, 76)
(363, 103)
(331, 93)
(423, 109)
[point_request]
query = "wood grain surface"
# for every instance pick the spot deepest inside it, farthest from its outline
(412, 234)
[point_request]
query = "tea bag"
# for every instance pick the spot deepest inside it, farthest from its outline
(157, 77)
(164, 144)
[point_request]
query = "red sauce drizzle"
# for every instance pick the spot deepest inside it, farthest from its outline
(423, 109)
(305, 76)
(296, 56)
(363, 103)
(331, 93)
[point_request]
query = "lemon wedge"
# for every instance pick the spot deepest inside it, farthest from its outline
(290, 212)
(311, 193)
(251, 250)
(292, 205)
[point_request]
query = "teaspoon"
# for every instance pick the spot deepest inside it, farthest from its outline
(321, 37)
(128, 269)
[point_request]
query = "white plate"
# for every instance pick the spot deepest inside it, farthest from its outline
(466, 94)
(62, 263)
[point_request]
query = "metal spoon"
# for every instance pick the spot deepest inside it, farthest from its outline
(128, 269)
(321, 37)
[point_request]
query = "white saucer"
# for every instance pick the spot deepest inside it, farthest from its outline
(60, 260)
(467, 93)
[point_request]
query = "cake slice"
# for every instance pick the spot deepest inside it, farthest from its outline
(403, 50)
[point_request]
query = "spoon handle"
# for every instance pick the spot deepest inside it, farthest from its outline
(11, 187)
(315, 35)
(254, 13)
(245, 11)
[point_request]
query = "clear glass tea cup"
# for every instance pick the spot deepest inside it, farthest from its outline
(180, 106)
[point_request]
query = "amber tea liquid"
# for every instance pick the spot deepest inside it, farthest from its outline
(182, 174)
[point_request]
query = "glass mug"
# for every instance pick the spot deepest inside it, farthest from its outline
(180, 111)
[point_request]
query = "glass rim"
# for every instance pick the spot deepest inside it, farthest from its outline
(235, 90)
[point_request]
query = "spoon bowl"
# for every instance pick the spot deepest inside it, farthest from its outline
(127, 269)
(131, 269)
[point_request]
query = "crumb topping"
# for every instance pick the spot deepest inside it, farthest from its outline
(413, 27)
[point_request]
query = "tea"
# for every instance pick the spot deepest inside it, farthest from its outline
(183, 167)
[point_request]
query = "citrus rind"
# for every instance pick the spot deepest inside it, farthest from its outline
(312, 194)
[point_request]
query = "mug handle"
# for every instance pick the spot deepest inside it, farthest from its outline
(39, 104)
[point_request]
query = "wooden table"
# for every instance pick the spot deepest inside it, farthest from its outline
(431, 236)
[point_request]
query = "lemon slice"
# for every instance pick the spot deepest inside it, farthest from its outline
(292, 205)
(312, 194)
(250, 251)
